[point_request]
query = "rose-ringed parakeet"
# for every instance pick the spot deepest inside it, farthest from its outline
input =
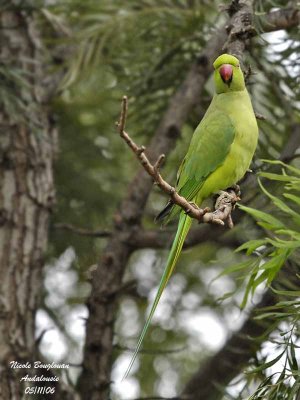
(219, 155)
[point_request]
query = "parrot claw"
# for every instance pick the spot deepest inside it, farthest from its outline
(236, 188)
(218, 221)
(229, 221)
(206, 210)
(225, 203)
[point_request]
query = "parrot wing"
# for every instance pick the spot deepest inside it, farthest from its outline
(208, 150)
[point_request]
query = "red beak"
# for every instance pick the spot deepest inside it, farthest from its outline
(226, 72)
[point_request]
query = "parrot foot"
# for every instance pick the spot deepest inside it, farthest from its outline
(206, 210)
(225, 203)
(230, 196)
(215, 218)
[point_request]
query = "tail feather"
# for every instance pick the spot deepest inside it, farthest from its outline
(170, 211)
(183, 227)
(165, 212)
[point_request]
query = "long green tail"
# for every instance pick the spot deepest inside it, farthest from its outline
(182, 230)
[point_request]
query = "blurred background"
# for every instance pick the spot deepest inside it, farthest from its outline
(98, 51)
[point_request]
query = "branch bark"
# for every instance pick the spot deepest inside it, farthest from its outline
(82, 231)
(286, 18)
(240, 29)
(28, 145)
(292, 144)
(160, 239)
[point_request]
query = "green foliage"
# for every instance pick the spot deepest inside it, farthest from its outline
(273, 260)
(165, 29)
(283, 235)
(282, 239)
(284, 383)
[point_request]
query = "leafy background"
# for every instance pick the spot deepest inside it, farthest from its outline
(144, 49)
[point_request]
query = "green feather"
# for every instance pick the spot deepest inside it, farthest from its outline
(182, 230)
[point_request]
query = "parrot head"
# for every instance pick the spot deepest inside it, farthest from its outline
(228, 74)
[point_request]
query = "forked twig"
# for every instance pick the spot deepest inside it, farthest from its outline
(225, 202)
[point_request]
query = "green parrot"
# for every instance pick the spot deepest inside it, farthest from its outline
(219, 155)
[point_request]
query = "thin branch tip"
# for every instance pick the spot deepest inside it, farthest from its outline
(123, 116)
(260, 116)
(159, 162)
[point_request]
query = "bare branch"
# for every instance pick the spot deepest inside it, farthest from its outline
(240, 29)
(82, 231)
(160, 239)
(260, 116)
(285, 18)
(293, 144)
(224, 204)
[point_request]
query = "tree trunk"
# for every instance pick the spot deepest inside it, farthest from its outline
(27, 146)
